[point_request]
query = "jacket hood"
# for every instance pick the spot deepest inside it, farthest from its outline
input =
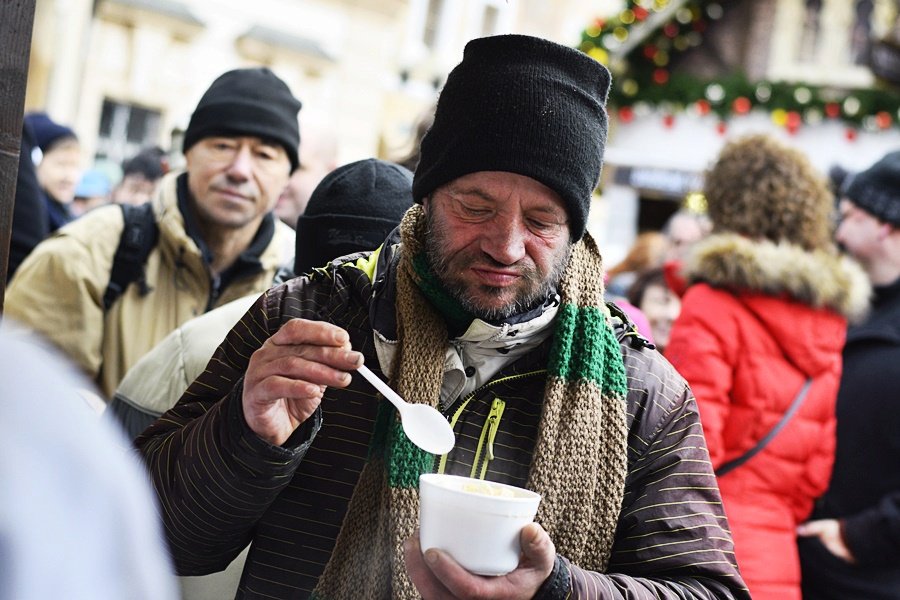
(820, 279)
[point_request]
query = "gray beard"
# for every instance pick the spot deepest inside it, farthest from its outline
(439, 259)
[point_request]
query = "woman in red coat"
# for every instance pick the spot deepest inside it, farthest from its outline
(766, 310)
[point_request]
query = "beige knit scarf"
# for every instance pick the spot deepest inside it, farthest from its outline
(579, 462)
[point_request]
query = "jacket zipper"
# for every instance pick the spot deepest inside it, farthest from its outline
(442, 464)
(484, 452)
(215, 290)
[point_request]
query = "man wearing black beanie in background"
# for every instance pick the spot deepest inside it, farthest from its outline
(850, 548)
(217, 237)
(486, 304)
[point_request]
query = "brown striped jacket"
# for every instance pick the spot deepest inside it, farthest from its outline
(221, 487)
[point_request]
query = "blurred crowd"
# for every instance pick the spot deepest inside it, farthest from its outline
(778, 304)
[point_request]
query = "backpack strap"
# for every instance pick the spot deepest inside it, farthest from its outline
(139, 237)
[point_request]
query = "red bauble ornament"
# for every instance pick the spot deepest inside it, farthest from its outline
(670, 29)
(792, 122)
(668, 120)
(626, 114)
(883, 119)
(721, 127)
(660, 76)
(832, 110)
(640, 13)
(649, 51)
(703, 107)
(741, 105)
(850, 134)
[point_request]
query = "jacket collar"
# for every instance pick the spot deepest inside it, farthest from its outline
(815, 278)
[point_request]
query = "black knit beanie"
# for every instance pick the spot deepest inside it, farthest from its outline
(877, 189)
(523, 105)
(353, 208)
(46, 131)
(253, 102)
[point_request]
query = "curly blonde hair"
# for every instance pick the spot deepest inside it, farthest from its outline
(761, 188)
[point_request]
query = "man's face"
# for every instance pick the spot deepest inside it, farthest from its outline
(293, 199)
(497, 241)
(858, 233)
(235, 180)
(134, 189)
(318, 157)
(683, 233)
(60, 169)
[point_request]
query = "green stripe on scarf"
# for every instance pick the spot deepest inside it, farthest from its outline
(585, 347)
(404, 460)
(457, 318)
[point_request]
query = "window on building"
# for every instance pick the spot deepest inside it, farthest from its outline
(861, 32)
(809, 37)
(125, 129)
(432, 23)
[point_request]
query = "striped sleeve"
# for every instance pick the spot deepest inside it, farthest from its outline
(672, 540)
(213, 476)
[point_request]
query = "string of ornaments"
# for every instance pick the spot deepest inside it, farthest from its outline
(641, 66)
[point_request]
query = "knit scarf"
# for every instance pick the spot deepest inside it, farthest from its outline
(579, 463)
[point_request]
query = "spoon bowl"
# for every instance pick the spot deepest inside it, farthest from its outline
(424, 425)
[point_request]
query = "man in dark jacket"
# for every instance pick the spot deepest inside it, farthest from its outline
(58, 168)
(495, 317)
(850, 550)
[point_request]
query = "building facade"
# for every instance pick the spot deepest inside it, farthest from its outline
(127, 73)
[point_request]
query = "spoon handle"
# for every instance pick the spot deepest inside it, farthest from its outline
(381, 386)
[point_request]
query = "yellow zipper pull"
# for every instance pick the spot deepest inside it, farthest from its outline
(484, 453)
(494, 425)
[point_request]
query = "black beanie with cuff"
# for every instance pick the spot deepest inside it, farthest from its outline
(251, 102)
(523, 105)
(877, 189)
(353, 208)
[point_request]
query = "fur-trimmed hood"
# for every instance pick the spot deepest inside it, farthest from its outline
(816, 278)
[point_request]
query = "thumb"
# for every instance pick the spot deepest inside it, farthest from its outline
(810, 528)
(537, 547)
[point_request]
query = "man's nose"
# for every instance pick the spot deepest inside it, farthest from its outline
(505, 242)
(241, 166)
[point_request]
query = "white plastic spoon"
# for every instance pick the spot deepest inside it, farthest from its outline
(425, 426)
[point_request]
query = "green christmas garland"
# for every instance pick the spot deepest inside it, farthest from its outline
(642, 74)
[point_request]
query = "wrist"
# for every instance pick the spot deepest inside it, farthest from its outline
(843, 537)
(558, 584)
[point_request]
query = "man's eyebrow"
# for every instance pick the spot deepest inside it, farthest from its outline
(471, 192)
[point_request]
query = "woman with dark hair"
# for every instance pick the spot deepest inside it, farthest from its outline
(660, 305)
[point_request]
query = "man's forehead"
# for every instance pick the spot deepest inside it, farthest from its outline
(253, 140)
(502, 186)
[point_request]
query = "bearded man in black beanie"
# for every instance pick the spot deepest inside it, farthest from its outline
(209, 231)
(486, 304)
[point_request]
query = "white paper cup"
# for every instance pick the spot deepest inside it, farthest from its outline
(476, 522)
